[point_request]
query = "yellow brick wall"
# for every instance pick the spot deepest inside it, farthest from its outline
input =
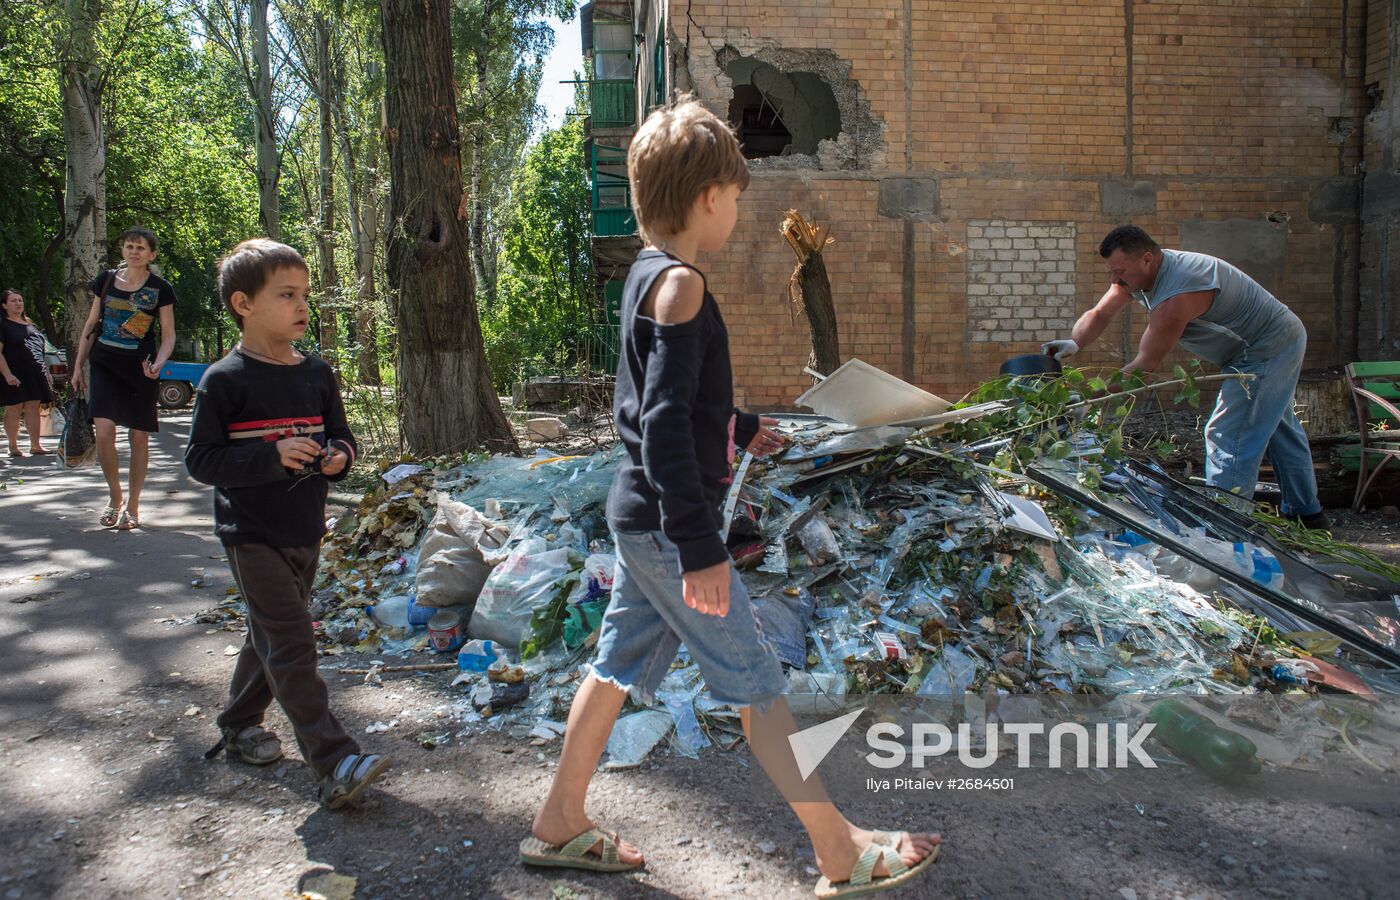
(1020, 112)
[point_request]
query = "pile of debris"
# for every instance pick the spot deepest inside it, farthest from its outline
(882, 557)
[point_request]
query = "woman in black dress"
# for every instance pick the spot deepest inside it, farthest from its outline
(119, 340)
(26, 377)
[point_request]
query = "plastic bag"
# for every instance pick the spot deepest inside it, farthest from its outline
(78, 445)
(1247, 559)
(524, 582)
(51, 421)
(461, 549)
(599, 569)
(819, 541)
(949, 675)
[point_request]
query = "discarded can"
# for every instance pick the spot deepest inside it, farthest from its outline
(445, 630)
(477, 656)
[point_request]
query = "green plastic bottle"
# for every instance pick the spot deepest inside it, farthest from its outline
(1221, 753)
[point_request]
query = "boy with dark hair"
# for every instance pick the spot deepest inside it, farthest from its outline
(269, 432)
(674, 405)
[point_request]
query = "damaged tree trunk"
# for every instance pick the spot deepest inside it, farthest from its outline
(809, 289)
(449, 403)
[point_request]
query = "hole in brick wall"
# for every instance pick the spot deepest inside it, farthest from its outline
(1278, 218)
(780, 113)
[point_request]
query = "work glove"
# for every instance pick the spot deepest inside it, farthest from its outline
(1059, 349)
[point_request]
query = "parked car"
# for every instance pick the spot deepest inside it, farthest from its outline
(57, 361)
(177, 383)
(177, 379)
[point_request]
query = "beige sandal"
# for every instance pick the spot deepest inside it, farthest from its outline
(128, 522)
(862, 881)
(575, 854)
(111, 515)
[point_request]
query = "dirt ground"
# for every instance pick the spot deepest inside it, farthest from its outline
(107, 704)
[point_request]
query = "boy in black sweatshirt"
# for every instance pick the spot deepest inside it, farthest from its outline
(674, 405)
(269, 432)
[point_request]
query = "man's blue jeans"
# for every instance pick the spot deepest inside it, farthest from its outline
(1255, 417)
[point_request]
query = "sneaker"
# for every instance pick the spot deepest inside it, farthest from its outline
(352, 775)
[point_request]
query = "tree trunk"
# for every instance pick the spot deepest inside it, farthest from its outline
(41, 294)
(810, 290)
(450, 403)
(484, 282)
(362, 199)
(85, 172)
(268, 163)
(325, 232)
(821, 314)
(367, 296)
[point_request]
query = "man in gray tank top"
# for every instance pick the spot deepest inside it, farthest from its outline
(1225, 317)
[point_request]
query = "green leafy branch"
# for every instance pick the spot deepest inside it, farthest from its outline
(1044, 416)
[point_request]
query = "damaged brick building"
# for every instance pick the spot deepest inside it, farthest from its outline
(969, 157)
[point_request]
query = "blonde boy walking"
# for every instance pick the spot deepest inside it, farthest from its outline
(674, 405)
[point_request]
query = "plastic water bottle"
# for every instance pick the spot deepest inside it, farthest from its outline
(418, 616)
(391, 612)
(1221, 753)
(1259, 564)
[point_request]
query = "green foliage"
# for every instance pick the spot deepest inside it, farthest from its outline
(1321, 543)
(1045, 414)
(177, 158)
(546, 303)
(499, 50)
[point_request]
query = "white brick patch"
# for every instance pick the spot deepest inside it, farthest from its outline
(1020, 281)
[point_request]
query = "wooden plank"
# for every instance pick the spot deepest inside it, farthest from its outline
(1387, 389)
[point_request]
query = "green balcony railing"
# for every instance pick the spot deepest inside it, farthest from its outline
(613, 103)
(612, 196)
(614, 221)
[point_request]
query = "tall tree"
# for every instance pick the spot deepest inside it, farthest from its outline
(240, 29)
(546, 307)
(85, 173)
(327, 95)
(31, 170)
(451, 405)
(348, 123)
(269, 163)
(502, 46)
(362, 198)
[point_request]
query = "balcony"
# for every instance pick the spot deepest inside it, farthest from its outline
(612, 195)
(612, 102)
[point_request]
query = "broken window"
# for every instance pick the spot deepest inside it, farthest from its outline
(780, 113)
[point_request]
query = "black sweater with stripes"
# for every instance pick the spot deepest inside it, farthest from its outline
(244, 407)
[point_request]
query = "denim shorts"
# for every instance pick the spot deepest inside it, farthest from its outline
(647, 620)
